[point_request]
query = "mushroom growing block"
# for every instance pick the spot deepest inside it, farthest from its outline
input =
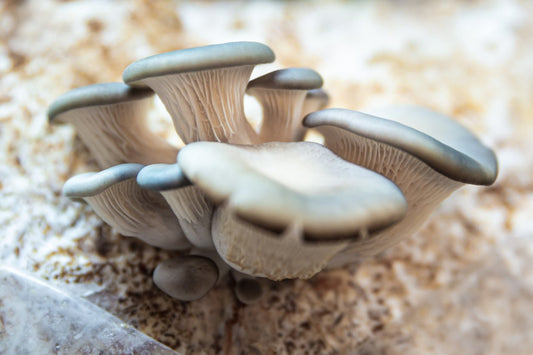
(285, 209)
(203, 88)
(115, 197)
(282, 94)
(110, 119)
(428, 155)
(193, 210)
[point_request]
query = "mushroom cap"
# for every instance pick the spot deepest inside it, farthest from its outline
(90, 184)
(161, 177)
(288, 79)
(276, 185)
(200, 58)
(96, 95)
(440, 142)
(319, 96)
(186, 278)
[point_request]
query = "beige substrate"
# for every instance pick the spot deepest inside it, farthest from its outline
(463, 284)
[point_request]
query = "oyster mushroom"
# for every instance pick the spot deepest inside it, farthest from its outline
(203, 88)
(281, 93)
(428, 155)
(110, 119)
(186, 278)
(193, 210)
(285, 209)
(115, 197)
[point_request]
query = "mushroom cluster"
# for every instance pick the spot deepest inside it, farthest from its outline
(259, 204)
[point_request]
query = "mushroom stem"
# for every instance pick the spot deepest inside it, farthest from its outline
(194, 213)
(207, 105)
(193, 210)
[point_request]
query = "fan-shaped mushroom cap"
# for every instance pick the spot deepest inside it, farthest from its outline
(428, 155)
(110, 119)
(302, 189)
(115, 196)
(193, 210)
(186, 278)
(203, 88)
(282, 94)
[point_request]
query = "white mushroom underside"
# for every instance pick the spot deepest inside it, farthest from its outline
(423, 187)
(207, 105)
(117, 134)
(258, 252)
(282, 114)
(194, 214)
(139, 213)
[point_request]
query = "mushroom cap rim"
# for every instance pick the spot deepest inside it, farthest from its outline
(92, 183)
(162, 177)
(288, 79)
(448, 161)
(95, 95)
(187, 60)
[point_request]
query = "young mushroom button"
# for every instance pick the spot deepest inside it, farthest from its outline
(186, 278)
(110, 119)
(282, 94)
(285, 209)
(115, 197)
(428, 155)
(203, 88)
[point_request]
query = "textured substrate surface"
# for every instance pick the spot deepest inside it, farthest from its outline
(460, 285)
